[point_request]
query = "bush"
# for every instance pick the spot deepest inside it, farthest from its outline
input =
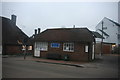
(54, 56)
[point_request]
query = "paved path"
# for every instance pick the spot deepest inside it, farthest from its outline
(17, 67)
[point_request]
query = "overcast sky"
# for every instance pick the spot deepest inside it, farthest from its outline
(31, 15)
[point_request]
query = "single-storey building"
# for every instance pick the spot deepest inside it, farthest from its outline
(75, 44)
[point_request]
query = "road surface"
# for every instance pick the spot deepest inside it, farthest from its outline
(17, 67)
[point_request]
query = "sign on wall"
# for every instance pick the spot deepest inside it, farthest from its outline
(55, 45)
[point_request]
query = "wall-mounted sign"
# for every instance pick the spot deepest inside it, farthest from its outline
(55, 45)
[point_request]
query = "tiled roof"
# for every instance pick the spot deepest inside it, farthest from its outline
(97, 35)
(11, 34)
(66, 34)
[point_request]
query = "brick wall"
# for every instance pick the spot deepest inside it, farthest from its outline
(13, 49)
(79, 53)
(106, 48)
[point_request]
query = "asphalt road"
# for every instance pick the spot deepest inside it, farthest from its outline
(15, 67)
(0, 66)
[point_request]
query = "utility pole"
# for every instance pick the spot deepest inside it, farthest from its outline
(102, 40)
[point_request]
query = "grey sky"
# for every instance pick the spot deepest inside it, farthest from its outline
(31, 15)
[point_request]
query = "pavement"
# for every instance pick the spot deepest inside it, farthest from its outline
(50, 61)
(60, 62)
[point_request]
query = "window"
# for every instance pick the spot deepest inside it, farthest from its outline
(68, 47)
(86, 48)
(29, 47)
(55, 45)
(23, 47)
(113, 46)
(43, 46)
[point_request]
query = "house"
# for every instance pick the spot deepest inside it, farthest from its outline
(13, 38)
(111, 33)
(75, 44)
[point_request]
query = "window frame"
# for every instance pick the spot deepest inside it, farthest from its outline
(86, 49)
(39, 46)
(68, 45)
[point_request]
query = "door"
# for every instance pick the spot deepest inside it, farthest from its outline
(37, 53)
(107, 49)
(36, 50)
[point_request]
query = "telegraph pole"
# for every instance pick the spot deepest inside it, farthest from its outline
(102, 40)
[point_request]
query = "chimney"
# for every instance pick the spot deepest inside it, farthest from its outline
(13, 19)
(38, 30)
(73, 26)
(35, 31)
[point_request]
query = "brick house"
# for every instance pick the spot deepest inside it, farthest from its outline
(76, 44)
(13, 37)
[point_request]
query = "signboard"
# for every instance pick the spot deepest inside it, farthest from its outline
(55, 45)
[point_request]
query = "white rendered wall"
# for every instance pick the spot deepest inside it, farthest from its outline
(112, 31)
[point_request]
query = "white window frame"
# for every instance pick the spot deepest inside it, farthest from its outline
(42, 46)
(86, 48)
(68, 45)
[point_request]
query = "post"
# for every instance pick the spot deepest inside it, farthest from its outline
(25, 52)
(102, 41)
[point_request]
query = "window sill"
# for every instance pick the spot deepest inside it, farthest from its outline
(68, 51)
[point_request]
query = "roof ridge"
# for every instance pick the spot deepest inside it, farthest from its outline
(113, 21)
(65, 28)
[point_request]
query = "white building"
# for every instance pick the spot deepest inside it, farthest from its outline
(110, 30)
